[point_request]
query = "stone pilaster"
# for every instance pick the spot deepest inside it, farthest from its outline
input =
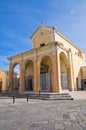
(22, 81)
(56, 71)
(70, 72)
(10, 78)
(36, 77)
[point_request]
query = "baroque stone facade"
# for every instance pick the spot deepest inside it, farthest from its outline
(53, 64)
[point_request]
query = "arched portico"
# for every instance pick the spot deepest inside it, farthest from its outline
(64, 71)
(29, 75)
(14, 77)
(46, 74)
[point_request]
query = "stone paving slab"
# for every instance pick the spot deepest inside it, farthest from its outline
(42, 115)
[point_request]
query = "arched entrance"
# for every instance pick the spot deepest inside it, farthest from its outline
(46, 74)
(16, 77)
(29, 74)
(64, 71)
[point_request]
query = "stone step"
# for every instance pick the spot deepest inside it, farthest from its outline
(41, 96)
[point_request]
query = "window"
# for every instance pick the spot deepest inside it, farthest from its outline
(41, 33)
(42, 44)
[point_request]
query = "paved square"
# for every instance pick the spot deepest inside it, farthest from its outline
(42, 115)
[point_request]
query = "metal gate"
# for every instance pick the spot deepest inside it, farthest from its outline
(29, 83)
(16, 84)
(46, 82)
(64, 81)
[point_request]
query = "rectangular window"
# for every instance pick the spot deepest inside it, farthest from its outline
(42, 44)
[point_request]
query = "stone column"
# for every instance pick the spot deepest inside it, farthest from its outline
(56, 71)
(10, 78)
(22, 81)
(36, 77)
(70, 72)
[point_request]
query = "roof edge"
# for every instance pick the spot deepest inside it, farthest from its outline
(65, 38)
(41, 26)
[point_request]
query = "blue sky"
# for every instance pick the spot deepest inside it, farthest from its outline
(20, 18)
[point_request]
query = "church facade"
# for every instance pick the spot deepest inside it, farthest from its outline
(54, 63)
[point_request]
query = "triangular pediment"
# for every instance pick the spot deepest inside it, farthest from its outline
(42, 36)
(40, 31)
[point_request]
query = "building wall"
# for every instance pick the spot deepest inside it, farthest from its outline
(77, 57)
(83, 72)
(3, 78)
(67, 44)
(77, 64)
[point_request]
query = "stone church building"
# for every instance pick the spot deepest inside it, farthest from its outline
(54, 63)
(4, 80)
